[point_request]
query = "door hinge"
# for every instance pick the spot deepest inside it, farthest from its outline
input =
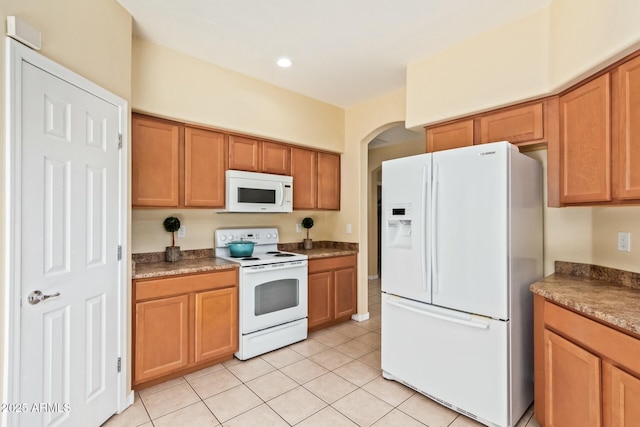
(119, 252)
(119, 364)
(119, 141)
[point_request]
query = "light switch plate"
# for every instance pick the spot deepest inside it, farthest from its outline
(624, 241)
(182, 231)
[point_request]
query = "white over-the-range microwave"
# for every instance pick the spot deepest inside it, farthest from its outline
(257, 192)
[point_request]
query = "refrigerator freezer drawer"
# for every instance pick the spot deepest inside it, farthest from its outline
(459, 359)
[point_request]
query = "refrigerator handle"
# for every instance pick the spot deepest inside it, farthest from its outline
(434, 229)
(478, 323)
(426, 279)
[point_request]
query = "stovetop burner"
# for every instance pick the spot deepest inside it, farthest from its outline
(265, 249)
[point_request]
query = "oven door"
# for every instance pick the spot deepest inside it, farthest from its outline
(272, 294)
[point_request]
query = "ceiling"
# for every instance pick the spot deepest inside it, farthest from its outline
(344, 51)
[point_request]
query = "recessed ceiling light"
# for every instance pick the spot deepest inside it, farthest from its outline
(284, 62)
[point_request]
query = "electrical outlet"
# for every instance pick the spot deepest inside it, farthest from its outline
(624, 241)
(182, 231)
(298, 228)
(348, 229)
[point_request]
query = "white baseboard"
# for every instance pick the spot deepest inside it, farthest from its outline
(374, 277)
(360, 317)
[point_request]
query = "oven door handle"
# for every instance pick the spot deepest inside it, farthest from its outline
(273, 267)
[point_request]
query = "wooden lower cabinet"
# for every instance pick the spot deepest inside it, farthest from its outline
(182, 324)
(332, 291)
(586, 373)
(162, 337)
(621, 397)
(216, 324)
(572, 386)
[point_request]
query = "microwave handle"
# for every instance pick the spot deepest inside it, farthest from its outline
(281, 198)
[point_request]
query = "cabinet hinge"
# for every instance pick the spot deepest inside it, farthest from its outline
(119, 364)
(119, 252)
(119, 141)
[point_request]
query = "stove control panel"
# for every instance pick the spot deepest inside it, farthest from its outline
(259, 236)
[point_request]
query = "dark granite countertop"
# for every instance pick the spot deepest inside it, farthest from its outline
(609, 295)
(152, 264)
(321, 249)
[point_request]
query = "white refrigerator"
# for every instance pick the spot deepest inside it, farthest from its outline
(461, 243)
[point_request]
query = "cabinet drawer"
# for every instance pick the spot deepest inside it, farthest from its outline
(516, 125)
(592, 335)
(453, 135)
(156, 288)
(333, 263)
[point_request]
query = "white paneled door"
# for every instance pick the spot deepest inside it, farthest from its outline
(69, 223)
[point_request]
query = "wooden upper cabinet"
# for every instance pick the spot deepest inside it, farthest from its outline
(585, 143)
(154, 162)
(627, 161)
(572, 384)
(513, 125)
(276, 158)
(328, 181)
(452, 135)
(244, 154)
(304, 172)
(205, 157)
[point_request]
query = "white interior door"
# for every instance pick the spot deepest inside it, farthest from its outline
(70, 182)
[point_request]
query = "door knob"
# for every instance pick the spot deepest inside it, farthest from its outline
(36, 296)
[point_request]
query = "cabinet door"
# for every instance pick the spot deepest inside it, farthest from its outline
(244, 154)
(328, 181)
(585, 143)
(621, 395)
(304, 172)
(453, 135)
(572, 384)
(154, 162)
(216, 323)
(204, 166)
(276, 158)
(320, 299)
(515, 125)
(345, 294)
(162, 337)
(627, 163)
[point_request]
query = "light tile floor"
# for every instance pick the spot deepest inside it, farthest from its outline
(331, 379)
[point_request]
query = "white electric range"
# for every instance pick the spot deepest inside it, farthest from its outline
(272, 291)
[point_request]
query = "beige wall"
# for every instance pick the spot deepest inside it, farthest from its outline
(502, 66)
(362, 124)
(567, 231)
(150, 236)
(92, 38)
(374, 168)
(171, 84)
(586, 35)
